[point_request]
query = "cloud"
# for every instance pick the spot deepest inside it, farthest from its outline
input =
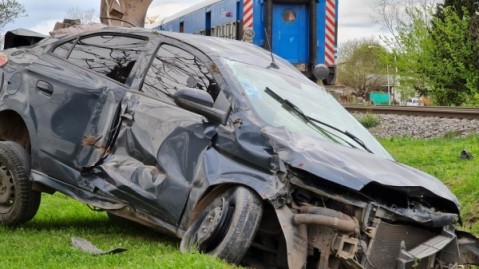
(355, 20)
(355, 12)
(44, 27)
(41, 12)
(165, 10)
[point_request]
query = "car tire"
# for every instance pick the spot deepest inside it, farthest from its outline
(18, 202)
(227, 226)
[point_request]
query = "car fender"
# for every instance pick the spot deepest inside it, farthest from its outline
(296, 237)
(20, 108)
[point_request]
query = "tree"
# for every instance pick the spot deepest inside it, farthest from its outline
(460, 7)
(84, 15)
(457, 21)
(393, 14)
(474, 33)
(152, 20)
(436, 49)
(411, 49)
(454, 70)
(9, 11)
(408, 24)
(361, 65)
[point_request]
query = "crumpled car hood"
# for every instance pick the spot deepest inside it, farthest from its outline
(352, 168)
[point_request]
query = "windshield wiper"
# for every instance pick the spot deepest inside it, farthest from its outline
(286, 103)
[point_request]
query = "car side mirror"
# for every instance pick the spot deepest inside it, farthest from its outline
(200, 102)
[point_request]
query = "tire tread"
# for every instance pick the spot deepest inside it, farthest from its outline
(27, 202)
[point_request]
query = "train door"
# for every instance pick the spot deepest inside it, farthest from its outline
(239, 25)
(208, 23)
(290, 32)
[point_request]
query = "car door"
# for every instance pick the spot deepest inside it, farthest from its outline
(75, 93)
(159, 150)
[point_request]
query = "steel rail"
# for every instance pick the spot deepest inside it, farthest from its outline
(441, 112)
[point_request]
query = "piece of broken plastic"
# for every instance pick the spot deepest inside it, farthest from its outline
(88, 247)
(466, 155)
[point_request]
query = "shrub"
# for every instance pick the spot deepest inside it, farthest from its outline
(369, 120)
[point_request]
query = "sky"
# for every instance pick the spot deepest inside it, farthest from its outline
(355, 16)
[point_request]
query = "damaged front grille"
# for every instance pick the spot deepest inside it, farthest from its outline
(386, 246)
(345, 232)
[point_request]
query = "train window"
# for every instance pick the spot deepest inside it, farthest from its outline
(109, 55)
(289, 16)
(173, 69)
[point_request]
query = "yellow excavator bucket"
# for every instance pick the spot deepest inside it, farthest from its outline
(124, 12)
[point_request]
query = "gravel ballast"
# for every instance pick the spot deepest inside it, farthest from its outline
(422, 127)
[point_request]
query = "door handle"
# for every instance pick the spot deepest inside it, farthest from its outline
(45, 87)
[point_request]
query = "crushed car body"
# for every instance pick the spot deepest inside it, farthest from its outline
(219, 143)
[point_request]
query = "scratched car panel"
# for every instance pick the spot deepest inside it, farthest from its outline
(221, 144)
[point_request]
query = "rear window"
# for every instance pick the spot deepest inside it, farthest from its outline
(110, 55)
(174, 68)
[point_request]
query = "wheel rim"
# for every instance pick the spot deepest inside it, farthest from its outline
(213, 227)
(7, 189)
(229, 239)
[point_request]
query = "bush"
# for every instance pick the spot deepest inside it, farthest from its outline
(369, 120)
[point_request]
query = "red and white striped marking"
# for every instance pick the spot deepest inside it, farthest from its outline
(247, 15)
(330, 41)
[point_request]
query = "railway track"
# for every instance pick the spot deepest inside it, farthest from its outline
(441, 112)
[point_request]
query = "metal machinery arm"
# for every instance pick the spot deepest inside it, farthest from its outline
(119, 12)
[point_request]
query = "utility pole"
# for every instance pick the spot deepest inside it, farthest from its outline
(389, 83)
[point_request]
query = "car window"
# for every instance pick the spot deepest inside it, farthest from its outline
(110, 55)
(64, 49)
(174, 68)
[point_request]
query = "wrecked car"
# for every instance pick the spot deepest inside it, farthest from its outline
(219, 143)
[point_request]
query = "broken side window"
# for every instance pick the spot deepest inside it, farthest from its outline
(110, 55)
(173, 69)
(63, 50)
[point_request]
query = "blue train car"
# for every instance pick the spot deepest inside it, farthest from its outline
(303, 32)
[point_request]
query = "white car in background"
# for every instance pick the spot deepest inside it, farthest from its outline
(413, 102)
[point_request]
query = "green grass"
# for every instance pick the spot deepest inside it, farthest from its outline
(440, 158)
(45, 242)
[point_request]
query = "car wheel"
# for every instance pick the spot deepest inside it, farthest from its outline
(18, 202)
(227, 226)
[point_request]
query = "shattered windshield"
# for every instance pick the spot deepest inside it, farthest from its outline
(311, 99)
